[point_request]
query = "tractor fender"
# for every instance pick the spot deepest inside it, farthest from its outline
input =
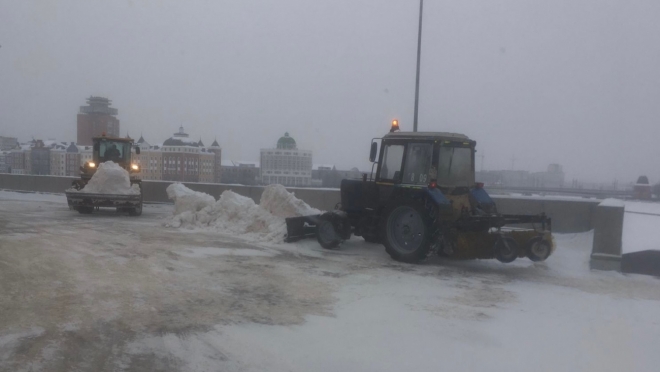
(481, 196)
(482, 199)
(436, 196)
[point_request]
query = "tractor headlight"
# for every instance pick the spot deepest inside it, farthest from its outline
(135, 167)
(91, 164)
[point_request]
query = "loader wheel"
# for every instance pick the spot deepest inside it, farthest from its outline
(135, 211)
(538, 249)
(85, 210)
(506, 249)
(327, 235)
(406, 231)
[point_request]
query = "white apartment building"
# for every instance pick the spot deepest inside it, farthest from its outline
(286, 164)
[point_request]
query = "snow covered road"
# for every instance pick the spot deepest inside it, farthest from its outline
(108, 292)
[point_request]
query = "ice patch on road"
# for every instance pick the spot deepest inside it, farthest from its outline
(9, 342)
(110, 178)
(238, 215)
(203, 252)
(187, 200)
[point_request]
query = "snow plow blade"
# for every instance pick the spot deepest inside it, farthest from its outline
(81, 199)
(301, 227)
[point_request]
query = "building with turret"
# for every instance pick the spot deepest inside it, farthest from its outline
(189, 161)
(217, 161)
(286, 164)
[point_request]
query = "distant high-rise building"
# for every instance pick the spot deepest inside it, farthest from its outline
(95, 119)
(286, 164)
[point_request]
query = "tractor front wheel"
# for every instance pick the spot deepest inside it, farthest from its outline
(406, 231)
(326, 234)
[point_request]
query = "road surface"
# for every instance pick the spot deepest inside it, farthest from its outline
(108, 292)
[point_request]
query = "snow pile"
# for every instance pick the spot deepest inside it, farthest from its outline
(640, 227)
(238, 215)
(110, 178)
(187, 200)
(282, 203)
(610, 202)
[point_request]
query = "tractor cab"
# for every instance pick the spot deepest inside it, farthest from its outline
(113, 149)
(419, 159)
(439, 163)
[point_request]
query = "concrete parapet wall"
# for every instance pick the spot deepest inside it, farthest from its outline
(567, 215)
(53, 184)
(608, 233)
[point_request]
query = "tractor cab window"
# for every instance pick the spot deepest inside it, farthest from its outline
(418, 164)
(455, 166)
(114, 151)
(392, 160)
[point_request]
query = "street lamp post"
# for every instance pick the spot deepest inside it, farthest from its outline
(419, 52)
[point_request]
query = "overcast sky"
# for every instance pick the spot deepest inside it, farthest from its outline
(573, 82)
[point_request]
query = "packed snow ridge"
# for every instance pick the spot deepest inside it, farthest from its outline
(236, 214)
(110, 178)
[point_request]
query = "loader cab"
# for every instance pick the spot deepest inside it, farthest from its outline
(113, 149)
(426, 159)
(106, 149)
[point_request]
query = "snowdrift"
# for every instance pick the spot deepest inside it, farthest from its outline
(236, 214)
(110, 178)
(187, 200)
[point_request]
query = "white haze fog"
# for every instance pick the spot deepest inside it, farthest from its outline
(563, 81)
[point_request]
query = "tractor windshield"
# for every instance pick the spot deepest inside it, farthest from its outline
(418, 163)
(119, 152)
(455, 166)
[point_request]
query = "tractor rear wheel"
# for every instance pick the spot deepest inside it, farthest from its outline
(406, 231)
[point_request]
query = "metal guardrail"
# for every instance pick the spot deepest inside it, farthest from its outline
(622, 194)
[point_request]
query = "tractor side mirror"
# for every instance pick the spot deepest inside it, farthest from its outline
(137, 150)
(374, 151)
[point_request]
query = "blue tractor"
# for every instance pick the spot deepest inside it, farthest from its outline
(423, 199)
